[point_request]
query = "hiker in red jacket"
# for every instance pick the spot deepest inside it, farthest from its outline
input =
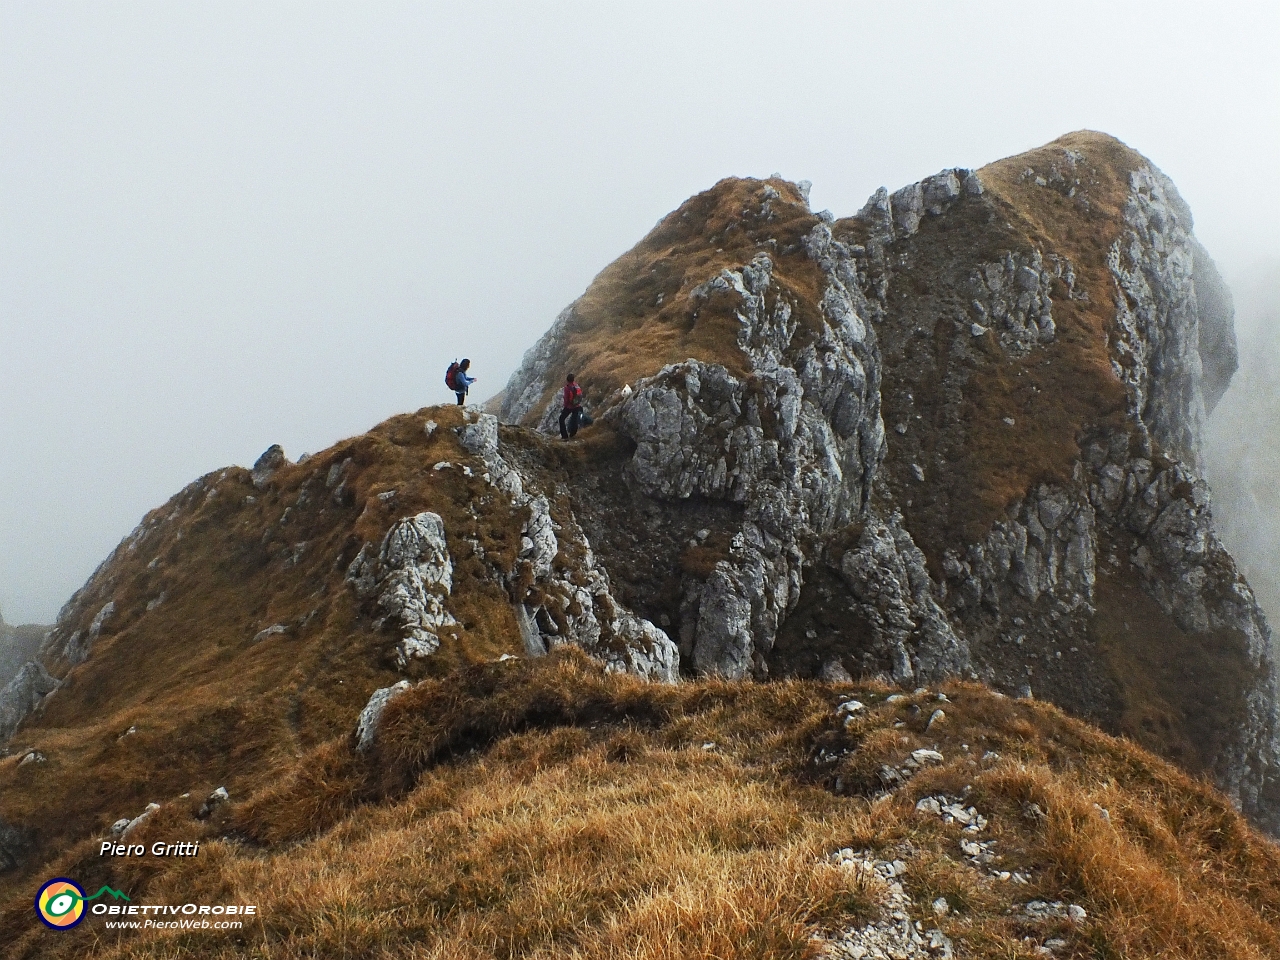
(572, 411)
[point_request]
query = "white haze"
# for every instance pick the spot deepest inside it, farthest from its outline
(224, 225)
(1242, 443)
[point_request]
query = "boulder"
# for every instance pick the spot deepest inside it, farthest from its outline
(23, 694)
(367, 726)
(265, 467)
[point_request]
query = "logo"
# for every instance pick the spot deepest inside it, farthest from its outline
(60, 902)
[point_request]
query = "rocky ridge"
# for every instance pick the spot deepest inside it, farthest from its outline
(963, 311)
(1034, 338)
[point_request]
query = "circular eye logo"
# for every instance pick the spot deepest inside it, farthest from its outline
(60, 903)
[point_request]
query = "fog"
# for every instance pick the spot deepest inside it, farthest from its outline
(225, 225)
(1242, 444)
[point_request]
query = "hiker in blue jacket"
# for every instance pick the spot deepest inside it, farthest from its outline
(458, 381)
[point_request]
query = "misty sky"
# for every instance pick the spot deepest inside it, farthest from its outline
(224, 225)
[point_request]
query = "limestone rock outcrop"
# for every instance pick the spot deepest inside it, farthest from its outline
(265, 467)
(371, 715)
(23, 694)
(408, 578)
(17, 646)
(554, 604)
(1043, 365)
(887, 577)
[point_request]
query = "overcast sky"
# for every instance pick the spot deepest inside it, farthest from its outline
(224, 225)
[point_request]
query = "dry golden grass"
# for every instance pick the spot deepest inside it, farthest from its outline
(503, 816)
(636, 315)
(220, 709)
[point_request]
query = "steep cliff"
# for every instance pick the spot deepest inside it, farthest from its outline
(1042, 339)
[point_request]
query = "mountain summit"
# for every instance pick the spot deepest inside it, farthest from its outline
(956, 434)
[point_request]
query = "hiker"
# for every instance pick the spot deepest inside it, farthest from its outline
(572, 411)
(456, 379)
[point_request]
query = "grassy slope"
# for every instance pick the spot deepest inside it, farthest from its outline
(208, 705)
(544, 808)
(636, 315)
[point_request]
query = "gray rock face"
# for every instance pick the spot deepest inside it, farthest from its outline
(79, 644)
(701, 433)
(1190, 574)
(408, 580)
(1043, 547)
(481, 439)
(931, 196)
(576, 606)
(1135, 496)
(371, 715)
(724, 635)
(1013, 296)
(1175, 353)
(1157, 353)
(23, 694)
(642, 649)
(17, 646)
(887, 576)
(1036, 573)
(408, 577)
(538, 371)
(795, 446)
(784, 461)
(573, 606)
(264, 469)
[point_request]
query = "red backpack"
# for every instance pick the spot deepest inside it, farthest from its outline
(451, 376)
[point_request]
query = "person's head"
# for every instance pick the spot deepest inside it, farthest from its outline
(465, 364)
(569, 378)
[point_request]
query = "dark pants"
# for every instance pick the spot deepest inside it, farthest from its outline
(573, 415)
(462, 397)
